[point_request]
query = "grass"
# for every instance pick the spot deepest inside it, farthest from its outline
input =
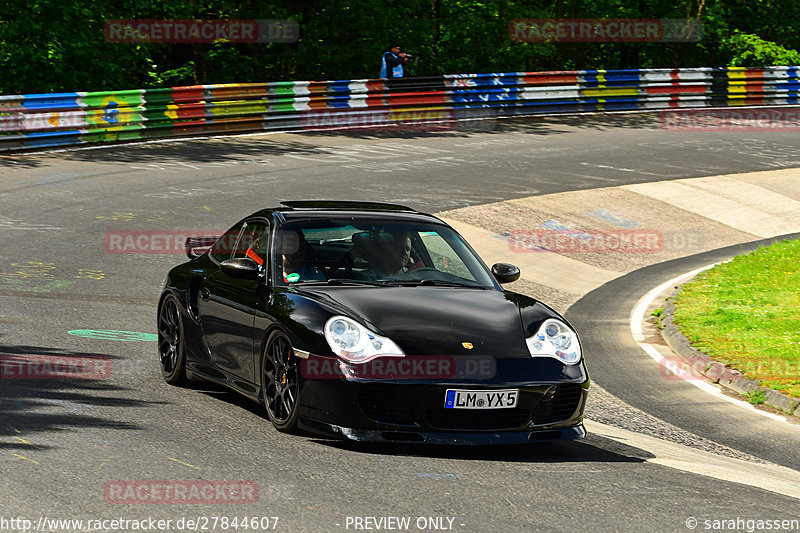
(757, 397)
(746, 314)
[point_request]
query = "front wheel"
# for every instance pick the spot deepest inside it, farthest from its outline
(171, 342)
(280, 382)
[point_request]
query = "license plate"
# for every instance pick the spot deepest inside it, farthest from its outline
(481, 399)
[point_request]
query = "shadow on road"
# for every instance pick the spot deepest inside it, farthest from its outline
(234, 149)
(592, 449)
(57, 404)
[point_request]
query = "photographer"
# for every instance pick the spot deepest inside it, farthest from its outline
(392, 62)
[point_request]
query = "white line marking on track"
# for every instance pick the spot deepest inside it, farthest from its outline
(768, 476)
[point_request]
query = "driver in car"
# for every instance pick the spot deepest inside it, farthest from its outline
(396, 255)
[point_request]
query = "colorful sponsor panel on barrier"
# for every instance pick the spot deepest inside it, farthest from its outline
(412, 104)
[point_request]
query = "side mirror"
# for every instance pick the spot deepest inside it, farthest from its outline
(505, 272)
(240, 268)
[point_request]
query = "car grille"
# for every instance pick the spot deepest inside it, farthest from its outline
(385, 403)
(388, 403)
(477, 419)
(558, 403)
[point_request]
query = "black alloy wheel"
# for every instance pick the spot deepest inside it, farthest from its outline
(170, 342)
(280, 382)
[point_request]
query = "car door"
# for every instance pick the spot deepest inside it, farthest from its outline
(227, 304)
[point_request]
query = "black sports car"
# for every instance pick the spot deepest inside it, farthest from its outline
(373, 322)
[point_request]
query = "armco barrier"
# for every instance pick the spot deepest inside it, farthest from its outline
(45, 120)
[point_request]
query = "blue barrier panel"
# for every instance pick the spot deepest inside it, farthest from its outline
(40, 102)
(50, 139)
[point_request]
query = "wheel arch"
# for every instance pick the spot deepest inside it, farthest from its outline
(180, 377)
(262, 349)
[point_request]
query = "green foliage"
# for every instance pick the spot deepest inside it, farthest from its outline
(58, 45)
(749, 50)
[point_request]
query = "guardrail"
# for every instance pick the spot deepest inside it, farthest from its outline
(46, 120)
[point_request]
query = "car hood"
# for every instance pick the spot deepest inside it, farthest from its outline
(434, 320)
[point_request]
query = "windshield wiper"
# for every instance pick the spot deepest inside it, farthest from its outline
(340, 281)
(439, 283)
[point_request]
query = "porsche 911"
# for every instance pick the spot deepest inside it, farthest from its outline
(370, 322)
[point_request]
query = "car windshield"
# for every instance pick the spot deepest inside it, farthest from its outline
(374, 252)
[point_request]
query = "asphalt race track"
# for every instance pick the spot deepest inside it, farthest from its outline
(63, 443)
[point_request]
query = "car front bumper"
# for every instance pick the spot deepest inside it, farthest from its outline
(415, 412)
(449, 437)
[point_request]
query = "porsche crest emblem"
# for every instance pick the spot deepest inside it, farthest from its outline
(467, 345)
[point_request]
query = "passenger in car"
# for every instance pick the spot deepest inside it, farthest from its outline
(293, 251)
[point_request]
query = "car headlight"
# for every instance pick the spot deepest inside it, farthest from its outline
(356, 344)
(555, 339)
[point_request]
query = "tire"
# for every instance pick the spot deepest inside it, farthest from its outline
(171, 342)
(280, 382)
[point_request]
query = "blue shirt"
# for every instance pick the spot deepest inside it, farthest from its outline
(396, 71)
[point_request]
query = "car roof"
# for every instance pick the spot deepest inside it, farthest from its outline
(339, 205)
(331, 208)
